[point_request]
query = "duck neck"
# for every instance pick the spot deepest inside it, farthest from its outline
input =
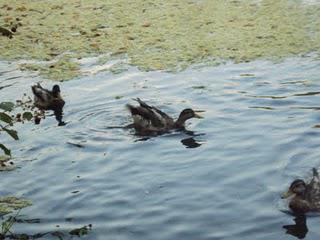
(179, 123)
(56, 94)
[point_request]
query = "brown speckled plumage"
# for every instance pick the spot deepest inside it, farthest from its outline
(47, 100)
(304, 197)
(149, 120)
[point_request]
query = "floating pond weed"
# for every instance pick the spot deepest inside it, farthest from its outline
(157, 35)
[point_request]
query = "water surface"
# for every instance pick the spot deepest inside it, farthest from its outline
(258, 135)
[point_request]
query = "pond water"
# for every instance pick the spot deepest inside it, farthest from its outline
(223, 182)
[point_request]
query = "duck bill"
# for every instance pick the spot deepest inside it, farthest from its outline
(286, 194)
(196, 115)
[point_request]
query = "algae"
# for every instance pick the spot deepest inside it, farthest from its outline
(63, 69)
(154, 34)
(8, 204)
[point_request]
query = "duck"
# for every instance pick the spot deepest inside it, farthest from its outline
(304, 197)
(148, 120)
(45, 99)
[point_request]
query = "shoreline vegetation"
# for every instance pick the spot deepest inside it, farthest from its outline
(154, 34)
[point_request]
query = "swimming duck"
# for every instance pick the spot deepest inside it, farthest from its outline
(304, 197)
(149, 120)
(47, 100)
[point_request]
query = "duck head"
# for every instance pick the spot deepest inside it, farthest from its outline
(187, 114)
(297, 188)
(55, 90)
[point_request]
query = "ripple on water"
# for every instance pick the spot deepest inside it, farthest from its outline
(220, 182)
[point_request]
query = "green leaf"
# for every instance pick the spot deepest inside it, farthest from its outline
(7, 106)
(12, 133)
(5, 150)
(5, 118)
(27, 115)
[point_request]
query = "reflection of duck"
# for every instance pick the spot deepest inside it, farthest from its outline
(47, 100)
(190, 143)
(304, 197)
(299, 229)
(148, 119)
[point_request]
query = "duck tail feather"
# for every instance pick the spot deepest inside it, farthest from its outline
(139, 101)
(132, 109)
(36, 90)
(142, 103)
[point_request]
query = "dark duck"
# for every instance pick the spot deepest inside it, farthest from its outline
(304, 197)
(45, 99)
(148, 120)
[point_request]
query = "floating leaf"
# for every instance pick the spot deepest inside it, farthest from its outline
(12, 133)
(5, 150)
(5, 118)
(27, 115)
(7, 106)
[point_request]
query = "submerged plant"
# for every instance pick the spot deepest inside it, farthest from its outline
(7, 225)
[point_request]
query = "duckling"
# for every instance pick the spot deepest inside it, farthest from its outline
(304, 197)
(45, 99)
(149, 120)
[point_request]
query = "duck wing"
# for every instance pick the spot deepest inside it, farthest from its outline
(313, 190)
(148, 117)
(41, 94)
(47, 100)
(158, 115)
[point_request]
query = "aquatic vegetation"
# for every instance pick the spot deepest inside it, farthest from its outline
(7, 232)
(5, 122)
(81, 231)
(9, 203)
(11, 113)
(62, 69)
(156, 35)
(118, 97)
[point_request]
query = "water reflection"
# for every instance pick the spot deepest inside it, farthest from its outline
(299, 229)
(190, 143)
(58, 113)
(306, 94)
(263, 108)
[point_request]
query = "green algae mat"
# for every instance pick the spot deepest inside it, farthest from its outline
(155, 34)
(8, 204)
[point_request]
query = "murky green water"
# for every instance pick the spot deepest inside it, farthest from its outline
(224, 183)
